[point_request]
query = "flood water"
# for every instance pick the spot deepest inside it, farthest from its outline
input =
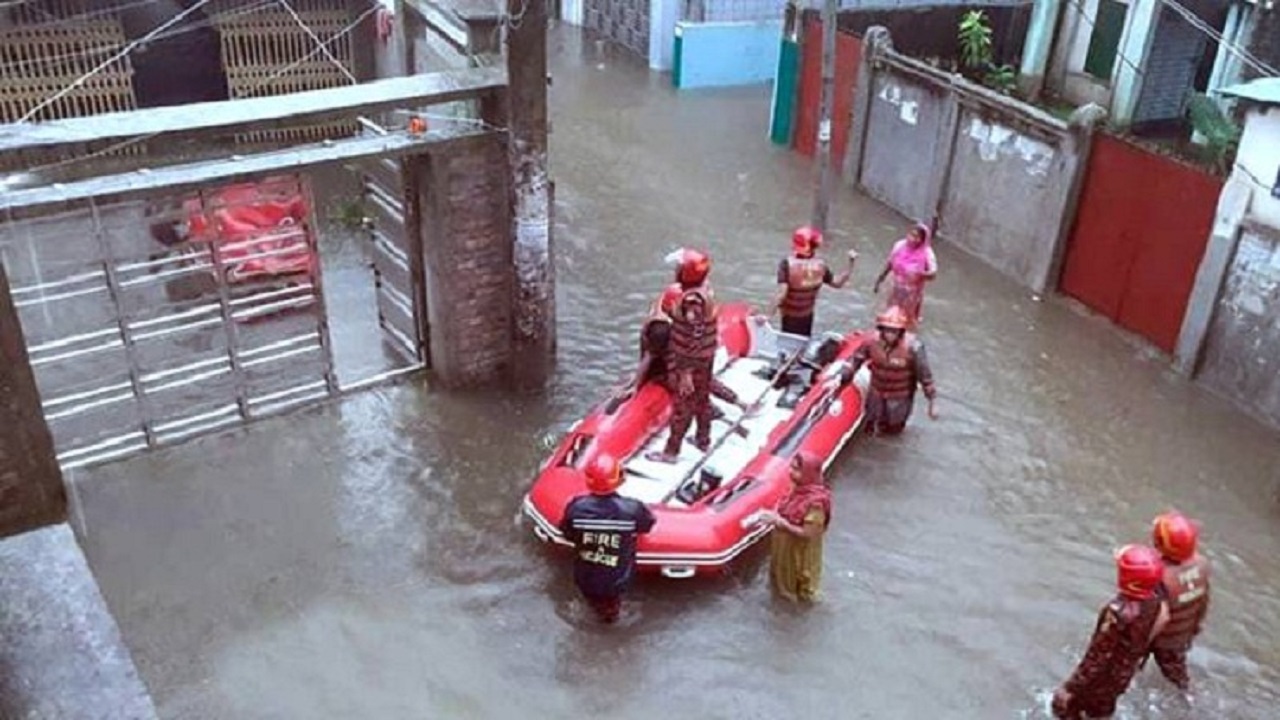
(365, 559)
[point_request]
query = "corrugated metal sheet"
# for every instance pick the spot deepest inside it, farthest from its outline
(1263, 90)
(1176, 51)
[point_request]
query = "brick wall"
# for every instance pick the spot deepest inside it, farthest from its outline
(466, 231)
(31, 493)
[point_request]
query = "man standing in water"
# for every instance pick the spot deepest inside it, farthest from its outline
(898, 364)
(603, 527)
(800, 277)
(1121, 639)
(1186, 589)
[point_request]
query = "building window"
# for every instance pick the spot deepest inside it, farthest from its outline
(1104, 45)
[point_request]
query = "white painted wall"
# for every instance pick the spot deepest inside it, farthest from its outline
(663, 16)
(1258, 162)
(573, 11)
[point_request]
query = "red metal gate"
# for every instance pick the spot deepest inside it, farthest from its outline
(848, 57)
(1140, 233)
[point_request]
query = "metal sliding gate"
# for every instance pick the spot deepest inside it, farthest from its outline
(148, 322)
(397, 266)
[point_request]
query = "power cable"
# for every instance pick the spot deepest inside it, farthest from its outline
(124, 52)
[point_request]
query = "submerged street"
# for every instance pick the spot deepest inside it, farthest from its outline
(366, 559)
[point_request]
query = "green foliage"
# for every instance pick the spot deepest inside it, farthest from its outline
(1207, 118)
(1003, 78)
(349, 214)
(975, 39)
(976, 54)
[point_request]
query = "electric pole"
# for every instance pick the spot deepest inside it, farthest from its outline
(534, 316)
(822, 201)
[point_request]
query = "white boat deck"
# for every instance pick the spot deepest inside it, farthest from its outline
(651, 482)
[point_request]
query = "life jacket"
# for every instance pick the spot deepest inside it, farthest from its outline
(893, 371)
(693, 343)
(1186, 589)
(804, 278)
(673, 294)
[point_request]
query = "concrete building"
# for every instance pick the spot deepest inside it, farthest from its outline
(726, 42)
(1139, 59)
(1231, 336)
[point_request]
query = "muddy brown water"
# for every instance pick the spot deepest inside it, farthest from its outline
(366, 559)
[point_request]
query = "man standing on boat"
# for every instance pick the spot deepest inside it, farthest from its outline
(691, 353)
(1121, 639)
(603, 527)
(693, 267)
(1186, 589)
(801, 276)
(655, 343)
(898, 364)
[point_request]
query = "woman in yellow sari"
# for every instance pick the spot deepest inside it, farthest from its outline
(799, 523)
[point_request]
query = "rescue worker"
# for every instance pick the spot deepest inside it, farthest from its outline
(691, 355)
(1186, 590)
(655, 342)
(1121, 638)
(898, 364)
(693, 268)
(800, 277)
(603, 527)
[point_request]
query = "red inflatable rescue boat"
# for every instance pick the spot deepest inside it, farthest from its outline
(706, 503)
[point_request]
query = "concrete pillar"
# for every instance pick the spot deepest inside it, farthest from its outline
(1083, 123)
(1126, 82)
(875, 40)
(944, 154)
(1226, 64)
(1233, 204)
(663, 16)
(31, 491)
(1038, 45)
(535, 317)
(464, 222)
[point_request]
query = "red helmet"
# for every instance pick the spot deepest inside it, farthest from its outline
(805, 241)
(604, 474)
(1139, 571)
(1175, 536)
(692, 266)
(894, 318)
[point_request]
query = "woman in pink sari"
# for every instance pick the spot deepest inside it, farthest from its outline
(913, 265)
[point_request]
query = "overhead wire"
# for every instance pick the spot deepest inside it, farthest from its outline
(320, 45)
(107, 63)
(104, 49)
(115, 147)
(1204, 27)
